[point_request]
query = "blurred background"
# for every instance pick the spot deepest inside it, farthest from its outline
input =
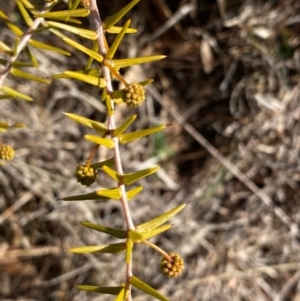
(229, 90)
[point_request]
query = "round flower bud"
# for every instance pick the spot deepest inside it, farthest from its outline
(85, 175)
(134, 95)
(6, 152)
(174, 268)
(86, 3)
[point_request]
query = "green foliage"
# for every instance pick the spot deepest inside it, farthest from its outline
(101, 69)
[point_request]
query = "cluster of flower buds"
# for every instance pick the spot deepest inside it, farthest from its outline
(85, 175)
(174, 268)
(134, 95)
(6, 152)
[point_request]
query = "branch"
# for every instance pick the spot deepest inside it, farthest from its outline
(22, 44)
(112, 126)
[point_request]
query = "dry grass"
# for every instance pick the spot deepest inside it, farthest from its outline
(232, 75)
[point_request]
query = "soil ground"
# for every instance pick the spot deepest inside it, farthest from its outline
(229, 91)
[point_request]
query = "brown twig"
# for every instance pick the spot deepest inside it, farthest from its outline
(112, 126)
(22, 44)
(64, 277)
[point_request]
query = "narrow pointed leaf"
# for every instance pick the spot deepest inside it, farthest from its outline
(109, 22)
(26, 75)
(75, 4)
(17, 64)
(142, 286)
(96, 125)
(133, 177)
(5, 48)
(3, 97)
(156, 222)
(30, 55)
(122, 63)
(112, 173)
(102, 194)
(16, 45)
(122, 295)
(48, 47)
(110, 110)
(28, 5)
(108, 162)
(113, 193)
(128, 137)
(27, 18)
(133, 192)
(105, 42)
(110, 290)
(13, 93)
(85, 33)
(103, 95)
(146, 82)
(118, 233)
(113, 48)
(69, 20)
(98, 57)
(117, 29)
(124, 125)
(128, 256)
(14, 28)
(93, 71)
(92, 80)
(82, 12)
(9, 125)
(112, 248)
(86, 197)
(18, 125)
(157, 231)
(95, 48)
(107, 142)
(4, 124)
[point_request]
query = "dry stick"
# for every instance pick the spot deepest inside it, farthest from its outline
(214, 152)
(64, 277)
(29, 253)
(26, 197)
(180, 14)
(287, 287)
(112, 126)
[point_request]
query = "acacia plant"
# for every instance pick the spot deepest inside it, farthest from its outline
(100, 70)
